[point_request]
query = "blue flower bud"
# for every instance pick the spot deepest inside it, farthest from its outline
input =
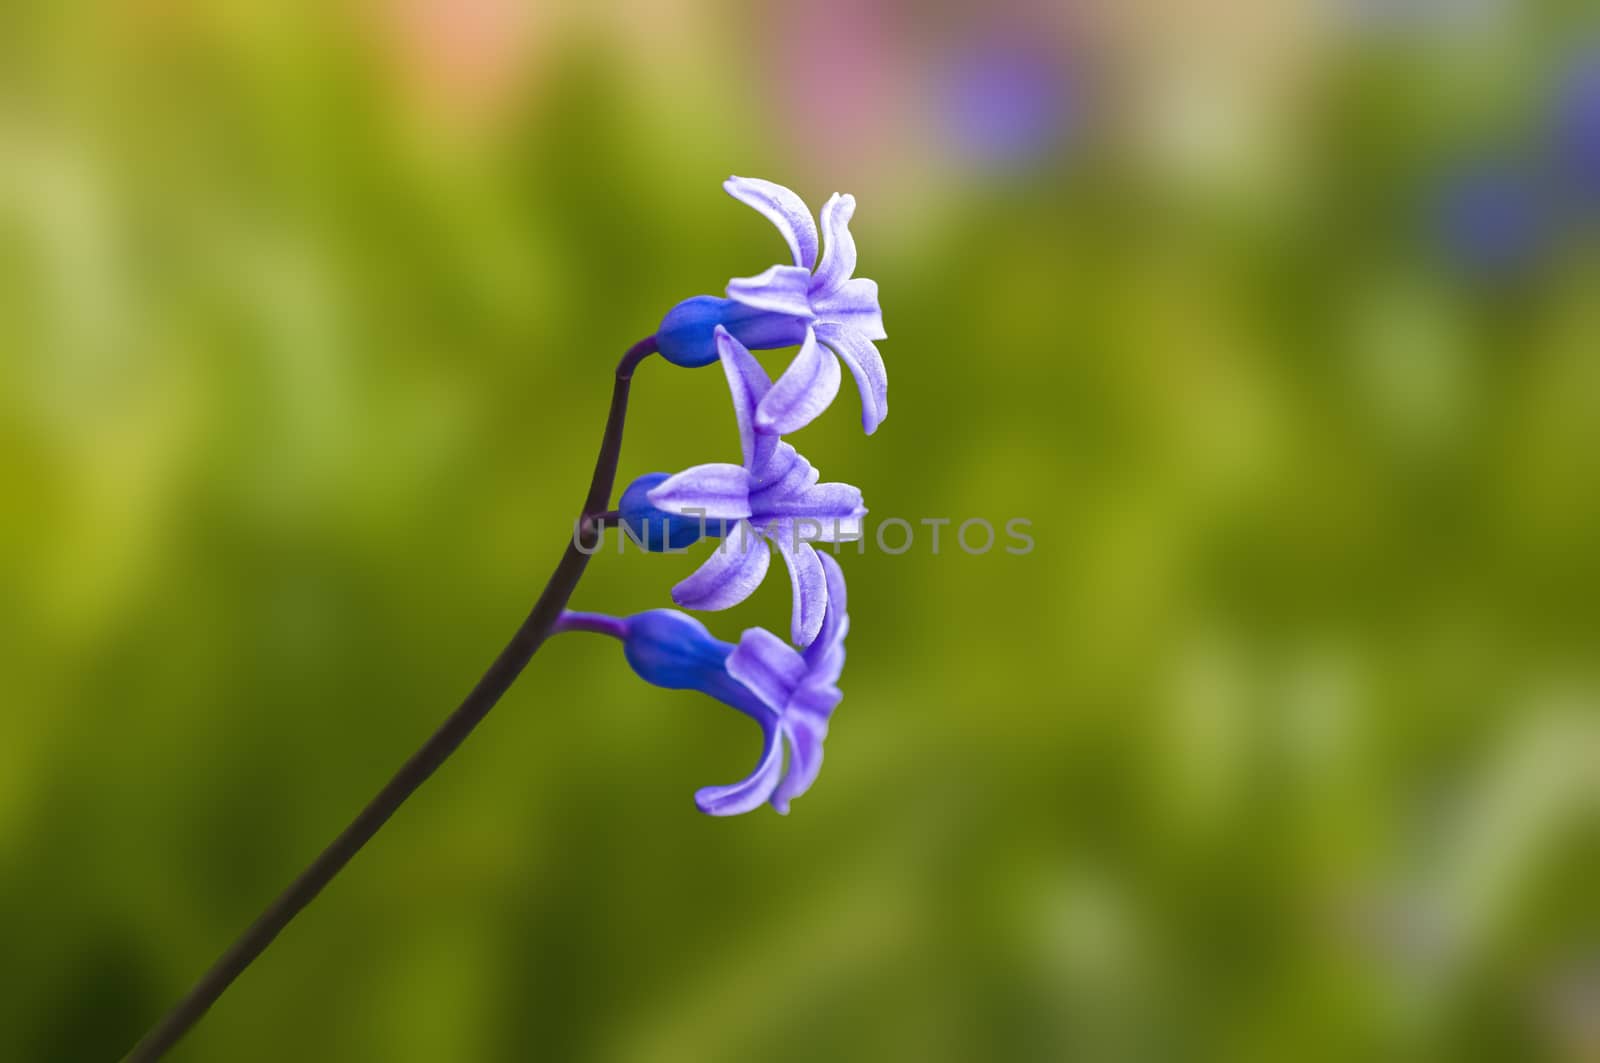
(672, 650)
(685, 336)
(655, 529)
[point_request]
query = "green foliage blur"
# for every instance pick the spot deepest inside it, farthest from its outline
(1281, 744)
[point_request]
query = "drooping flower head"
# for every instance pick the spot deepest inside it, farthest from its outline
(817, 298)
(773, 495)
(791, 694)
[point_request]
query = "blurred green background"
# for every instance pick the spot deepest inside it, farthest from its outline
(1282, 743)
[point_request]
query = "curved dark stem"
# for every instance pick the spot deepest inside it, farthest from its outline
(415, 771)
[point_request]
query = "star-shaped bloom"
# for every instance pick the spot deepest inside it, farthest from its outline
(791, 694)
(816, 302)
(773, 495)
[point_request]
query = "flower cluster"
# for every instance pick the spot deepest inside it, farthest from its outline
(770, 500)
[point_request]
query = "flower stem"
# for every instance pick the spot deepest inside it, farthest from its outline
(415, 771)
(597, 623)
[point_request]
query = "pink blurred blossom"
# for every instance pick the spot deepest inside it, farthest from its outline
(462, 61)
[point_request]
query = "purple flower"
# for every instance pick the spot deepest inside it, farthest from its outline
(816, 302)
(774, 495)
(790, 693)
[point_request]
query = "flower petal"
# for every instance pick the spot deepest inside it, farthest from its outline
(866, 365)
(837, 508)
(839, 250)
(806, 580)
(730, 575)
(835, 624)
(784, 473)
(855, 304)
(782, 208)
(806, 388)
(805, 761)
(813, 703)
(748, 795)
(749, 384)
(717, 491)
(769, 666)
(780, 290)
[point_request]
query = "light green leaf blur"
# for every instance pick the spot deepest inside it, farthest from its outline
(1283, 743)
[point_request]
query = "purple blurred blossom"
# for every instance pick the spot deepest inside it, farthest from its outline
(1491, 219)
(1007, 100)
(1577, 126)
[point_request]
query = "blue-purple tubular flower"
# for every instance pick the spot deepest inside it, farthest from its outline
(686, 333)
(774, 495)
(818, 299)
(790, 694)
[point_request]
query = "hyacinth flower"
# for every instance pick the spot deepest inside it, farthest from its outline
(773, 496)
(817, 296)
(789, 693)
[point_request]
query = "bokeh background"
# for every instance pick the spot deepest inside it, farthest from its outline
(1280, 322)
